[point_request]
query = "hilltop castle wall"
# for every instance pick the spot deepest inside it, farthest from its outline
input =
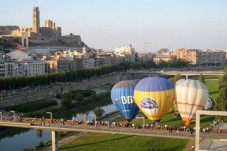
(6, 30)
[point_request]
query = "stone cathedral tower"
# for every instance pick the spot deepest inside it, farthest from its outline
(35, 19)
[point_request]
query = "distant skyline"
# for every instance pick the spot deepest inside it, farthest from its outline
(105, 24)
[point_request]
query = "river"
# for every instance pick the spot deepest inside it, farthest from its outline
(29, 139)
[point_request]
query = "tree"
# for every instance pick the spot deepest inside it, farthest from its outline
(67, 100)
(175, 78)
(223, 80)
(79, 97)
(221, 101)
(202, 78)
(99, 111)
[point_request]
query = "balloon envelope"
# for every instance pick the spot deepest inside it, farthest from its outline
(209, 104)
(154, 96)
(122, 97)
(191, 95)
(172, 108)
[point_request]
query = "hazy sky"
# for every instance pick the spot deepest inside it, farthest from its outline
(108, 23)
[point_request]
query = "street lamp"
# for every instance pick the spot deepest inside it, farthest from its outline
(50, 114)
(95, 118)
(1, 116)
(13, 114)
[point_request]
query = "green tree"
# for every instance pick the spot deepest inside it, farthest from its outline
(223, 80)
(99, 111)
(221, 101)
(67, 100)
(175, 78)
(79, 97)
(202, 78)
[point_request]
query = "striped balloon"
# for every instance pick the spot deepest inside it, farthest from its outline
(191, 95)
(154, 96)
(122, 95)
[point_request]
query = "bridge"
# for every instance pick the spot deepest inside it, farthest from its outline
(183, 73)
(177, 72)
(55, 125)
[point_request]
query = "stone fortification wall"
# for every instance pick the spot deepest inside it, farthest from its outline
(6, 30)
(71, 39)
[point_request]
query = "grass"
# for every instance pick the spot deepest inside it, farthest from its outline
(212, 86)
(113, 142)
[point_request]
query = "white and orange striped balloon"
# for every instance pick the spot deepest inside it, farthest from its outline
(191, 95)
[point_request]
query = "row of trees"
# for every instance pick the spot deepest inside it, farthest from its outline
(76, 76)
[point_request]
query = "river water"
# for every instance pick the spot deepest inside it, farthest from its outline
(29, 139)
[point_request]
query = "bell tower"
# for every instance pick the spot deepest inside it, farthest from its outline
(35, 19)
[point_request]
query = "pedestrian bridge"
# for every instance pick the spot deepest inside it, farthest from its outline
(98, 129)
(54, 128)
(69, 125)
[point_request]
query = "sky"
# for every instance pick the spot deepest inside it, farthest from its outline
(146, 24)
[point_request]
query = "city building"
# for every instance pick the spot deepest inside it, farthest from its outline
(104, 59)
(51, 66)
(161, 57)
(188, 55)
(11, 68)
(2, 67)
(88, 62)
(201, 57)
(30, 68)
(143, 56)
(127, 52)
(62, 64)
(18, 55)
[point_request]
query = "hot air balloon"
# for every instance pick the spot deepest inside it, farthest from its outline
(122, 97)
(191, 95)
(154, 96)
(172, 108)
(209, 104)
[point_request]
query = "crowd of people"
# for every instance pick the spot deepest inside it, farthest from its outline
(153, 126)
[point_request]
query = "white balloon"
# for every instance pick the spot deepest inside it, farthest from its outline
(191, 95)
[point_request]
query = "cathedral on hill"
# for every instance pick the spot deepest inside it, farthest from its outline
(50, 34)
(50, 30)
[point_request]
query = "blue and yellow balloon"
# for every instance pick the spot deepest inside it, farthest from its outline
(122, 97)
(154, 96)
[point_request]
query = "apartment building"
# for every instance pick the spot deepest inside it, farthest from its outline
(201, 57)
